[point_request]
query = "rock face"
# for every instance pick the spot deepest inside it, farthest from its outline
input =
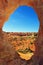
(6, 8)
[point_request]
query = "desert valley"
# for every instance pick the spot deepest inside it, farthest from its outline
(20, 42)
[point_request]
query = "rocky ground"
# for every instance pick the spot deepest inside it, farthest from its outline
(8, 54)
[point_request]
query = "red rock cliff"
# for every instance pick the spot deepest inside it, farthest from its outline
(8, 6)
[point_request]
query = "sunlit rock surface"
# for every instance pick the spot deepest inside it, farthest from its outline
(6, 8)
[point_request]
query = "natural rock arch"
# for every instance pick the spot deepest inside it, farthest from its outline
(8, 6)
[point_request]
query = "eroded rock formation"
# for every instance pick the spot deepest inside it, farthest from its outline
(7, 7)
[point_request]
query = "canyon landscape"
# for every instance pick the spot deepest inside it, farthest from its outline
(18, 47)
(10, 53)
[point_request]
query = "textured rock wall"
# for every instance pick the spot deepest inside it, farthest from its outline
(8, 6)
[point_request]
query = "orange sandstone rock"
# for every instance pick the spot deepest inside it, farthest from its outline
(8, 6)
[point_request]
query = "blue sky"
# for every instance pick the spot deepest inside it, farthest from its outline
(23, 19)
